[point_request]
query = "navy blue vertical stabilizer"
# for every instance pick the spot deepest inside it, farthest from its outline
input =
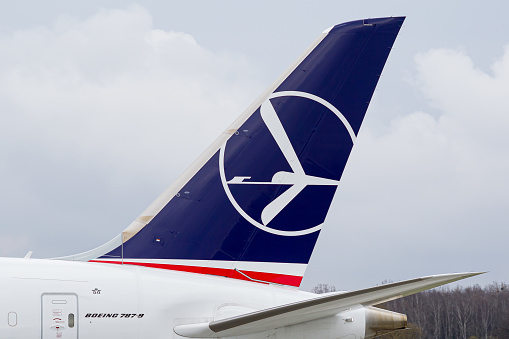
(264, 194)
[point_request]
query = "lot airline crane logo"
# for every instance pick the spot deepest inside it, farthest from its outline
(268, 141)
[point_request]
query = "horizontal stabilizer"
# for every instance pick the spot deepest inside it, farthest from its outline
(312, 309)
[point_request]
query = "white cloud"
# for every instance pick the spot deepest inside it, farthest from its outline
(428, 194)
(113, 88)
(107, 101)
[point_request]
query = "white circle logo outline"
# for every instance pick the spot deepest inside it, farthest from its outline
(237, 207)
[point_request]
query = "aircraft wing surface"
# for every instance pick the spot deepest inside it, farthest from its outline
(312, 309)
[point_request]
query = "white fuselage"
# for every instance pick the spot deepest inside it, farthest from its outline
(120, 301)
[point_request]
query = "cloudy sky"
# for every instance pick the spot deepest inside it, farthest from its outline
(104, 103)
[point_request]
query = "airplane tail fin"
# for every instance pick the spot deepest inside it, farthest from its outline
(252, 205)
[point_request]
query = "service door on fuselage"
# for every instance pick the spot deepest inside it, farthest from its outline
(59, 316)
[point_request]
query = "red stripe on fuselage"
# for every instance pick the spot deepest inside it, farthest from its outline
(283, 279)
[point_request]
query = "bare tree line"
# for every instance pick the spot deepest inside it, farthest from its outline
(462, 312)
